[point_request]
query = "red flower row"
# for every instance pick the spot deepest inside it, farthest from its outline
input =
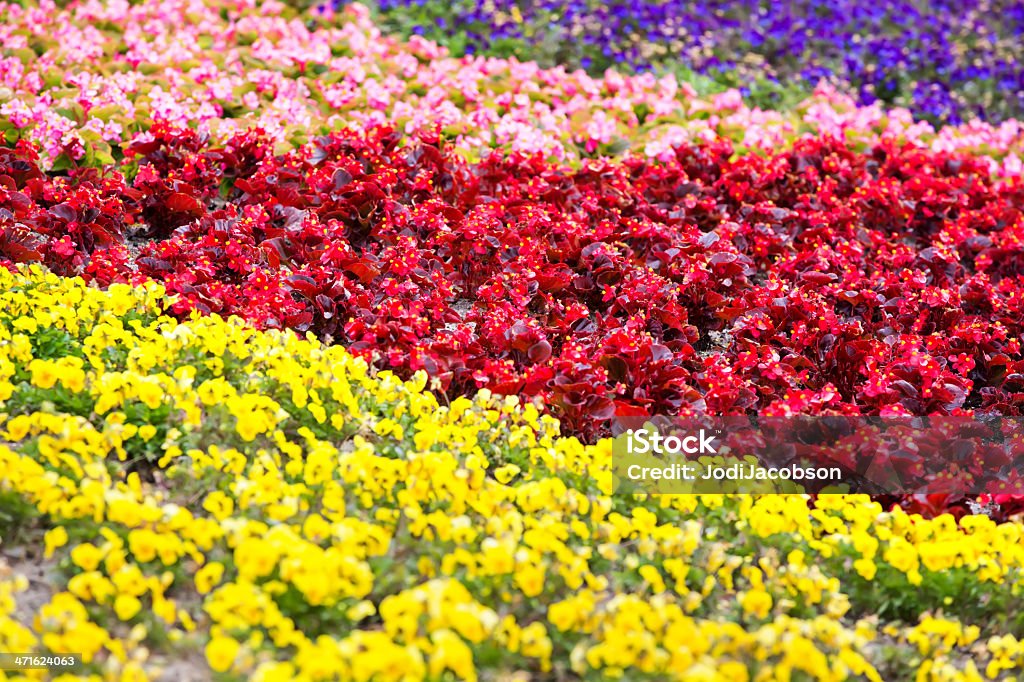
(815, 279)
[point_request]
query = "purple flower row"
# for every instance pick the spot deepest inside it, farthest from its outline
(947, 60)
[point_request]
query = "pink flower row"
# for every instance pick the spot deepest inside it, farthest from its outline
(100, 72)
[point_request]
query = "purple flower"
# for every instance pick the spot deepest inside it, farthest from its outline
(880, 49)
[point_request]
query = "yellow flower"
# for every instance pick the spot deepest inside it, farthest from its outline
(144, 544)
(756, 602)
(255, 558)
(361, 610)
(53, 539)
(564, 614)
(87, 556)
(506, 473)
(248, 428)
(653, 578)
(164, 608)
(388, 427)
(901, 555)
(866, 568)
(530, 579)
(209, 576)
(451, 653)
(44, 373)
(72, 377)
(126, 606)
(219, 505)
(221, 653)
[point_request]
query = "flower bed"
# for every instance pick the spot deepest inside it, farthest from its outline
(816, 279)
(947, 60)
(311, 340)
(82, 81)
(274, 504)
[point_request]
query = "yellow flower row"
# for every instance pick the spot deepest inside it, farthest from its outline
(281, 508)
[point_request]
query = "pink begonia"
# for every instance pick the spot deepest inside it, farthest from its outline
(599, 131)
(661, 147)
(17, 112)
(228, 65)
(11, 71)
(1012, 166)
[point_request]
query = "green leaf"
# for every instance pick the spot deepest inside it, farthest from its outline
(62, 163)
(73, 111)
(104, 158)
